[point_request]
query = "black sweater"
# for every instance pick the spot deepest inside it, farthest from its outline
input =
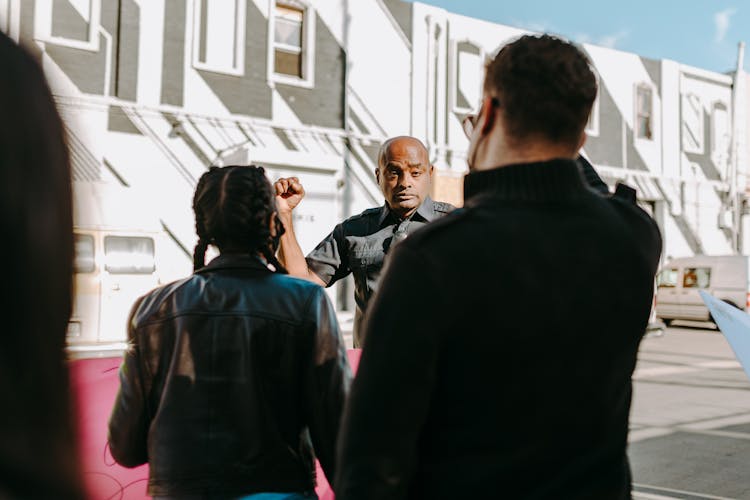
(500, 347)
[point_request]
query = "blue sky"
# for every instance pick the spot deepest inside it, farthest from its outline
(701, 33)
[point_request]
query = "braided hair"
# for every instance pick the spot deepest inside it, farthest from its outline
(232, 208)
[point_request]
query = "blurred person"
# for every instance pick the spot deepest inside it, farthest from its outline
(38, 448)
(517, 384)
(236, 373)
(360, 243)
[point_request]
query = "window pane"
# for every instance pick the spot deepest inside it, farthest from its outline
(84, 253)
(720, 124)
(644, 101)
(667, 278)
(288, 32)
(218, 33)
(469, 74)
(71, 18)
(289, 13)
(129, 255)
(287, 63)
(644, 127)
(697, 277)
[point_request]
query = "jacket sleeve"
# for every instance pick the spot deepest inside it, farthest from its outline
(392, 392)
(128, 424)
(328, 380)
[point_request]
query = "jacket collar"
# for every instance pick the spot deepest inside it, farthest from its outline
(553, 180)
(234, 261)
(425, 212)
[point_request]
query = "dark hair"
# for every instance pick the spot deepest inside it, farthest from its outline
(233, 206)
(545, 86)
(38, 445)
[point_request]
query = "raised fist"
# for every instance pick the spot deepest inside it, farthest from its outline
(289, 192)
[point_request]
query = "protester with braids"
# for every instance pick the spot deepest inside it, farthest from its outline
(237, 372)
(215, 219)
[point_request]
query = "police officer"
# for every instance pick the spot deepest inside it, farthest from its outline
(359, 244)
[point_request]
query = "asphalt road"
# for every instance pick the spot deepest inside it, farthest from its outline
(690, 420)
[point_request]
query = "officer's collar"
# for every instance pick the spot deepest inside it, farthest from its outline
(425, 211)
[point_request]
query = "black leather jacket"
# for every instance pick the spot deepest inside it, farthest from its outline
(232, 375)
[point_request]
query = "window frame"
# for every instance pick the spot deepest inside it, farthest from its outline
(714, 138)
(240, 41)
(696, 285)
(10, 18)
(593, 129)
(636, 112)
(43, 27)
(92, 240)
(674, 270)
(454, 88)
(701, 147)
(308, 44)
(105, 253)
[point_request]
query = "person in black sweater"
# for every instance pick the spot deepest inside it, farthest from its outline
(518, 382)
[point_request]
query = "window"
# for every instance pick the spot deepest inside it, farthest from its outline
(467, 75)
(10, 17)
(292, 43)
(71, 23)
(644, 112)
(129, 255)
(667, 279)
(83, 261)
(219, 36)
(696, 277)
(720, 130)
(692, 124)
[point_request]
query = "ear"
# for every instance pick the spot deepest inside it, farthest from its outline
(488, 115)
(432, 169)
(377, 174)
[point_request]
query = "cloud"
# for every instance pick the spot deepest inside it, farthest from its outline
(721, 22)
(610, 41)
(536, 26)
(613, 40)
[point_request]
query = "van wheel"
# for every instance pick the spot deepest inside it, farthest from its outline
(667, 321)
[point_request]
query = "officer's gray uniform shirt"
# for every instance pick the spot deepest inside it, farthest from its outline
(359, 246)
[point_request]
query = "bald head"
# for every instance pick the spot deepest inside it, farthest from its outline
(404, 174)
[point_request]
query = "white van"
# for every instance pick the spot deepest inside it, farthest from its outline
(116, 261)
(680, 280)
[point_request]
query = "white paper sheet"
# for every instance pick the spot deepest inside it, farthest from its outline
(735, 325)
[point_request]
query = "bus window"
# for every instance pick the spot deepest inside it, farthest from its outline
(84, 253)
(129, 255)
(667, 278)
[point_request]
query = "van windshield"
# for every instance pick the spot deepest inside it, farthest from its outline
(129, 254)
(84, 253)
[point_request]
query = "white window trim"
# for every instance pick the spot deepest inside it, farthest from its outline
(593, 130)
(453, 80)
(714, 138)
(651, 87)
(241, 21)
(702, 146)
(10, 18)
(308, 45)
(43, 27)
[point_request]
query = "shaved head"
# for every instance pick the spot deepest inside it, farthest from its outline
(404, 174)
(399, 142)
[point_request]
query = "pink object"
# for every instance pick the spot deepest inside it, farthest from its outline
(95, 383)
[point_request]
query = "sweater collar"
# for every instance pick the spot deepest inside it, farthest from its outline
(552, 180)
(234, 261)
